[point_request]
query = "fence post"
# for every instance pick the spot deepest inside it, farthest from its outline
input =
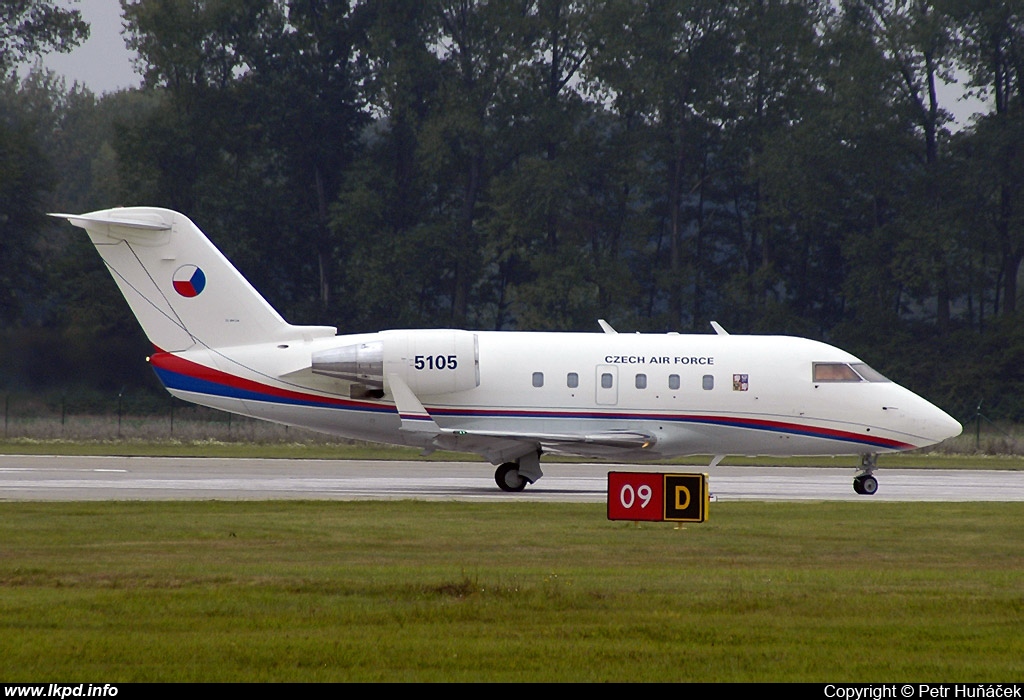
(977, 429)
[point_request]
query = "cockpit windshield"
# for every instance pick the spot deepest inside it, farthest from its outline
(846, 372)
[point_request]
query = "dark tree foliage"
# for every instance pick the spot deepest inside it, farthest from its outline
(22, 184)
(30, 28)
(779, 166)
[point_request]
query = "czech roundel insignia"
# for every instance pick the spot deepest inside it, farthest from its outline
(189, 281)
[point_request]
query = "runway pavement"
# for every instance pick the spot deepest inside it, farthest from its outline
(40, 478)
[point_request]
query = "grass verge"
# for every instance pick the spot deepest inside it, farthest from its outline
(425, 591)
(360, 450)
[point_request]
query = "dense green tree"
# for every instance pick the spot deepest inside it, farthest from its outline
(663, 64)
(259, 119)
(24, 179)
(992, 48)
(28, 29)
(31, 28)
(778, 166)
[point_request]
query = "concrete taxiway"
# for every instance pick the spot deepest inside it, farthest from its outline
(42, 478)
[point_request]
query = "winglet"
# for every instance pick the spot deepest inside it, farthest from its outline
(415, 418)
(606, 327)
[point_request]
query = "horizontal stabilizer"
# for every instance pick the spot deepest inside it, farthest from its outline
(86, 221)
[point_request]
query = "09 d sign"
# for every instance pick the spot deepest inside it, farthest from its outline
(649, 496)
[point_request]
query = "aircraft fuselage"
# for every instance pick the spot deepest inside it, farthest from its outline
(507, 396)
(694, 394)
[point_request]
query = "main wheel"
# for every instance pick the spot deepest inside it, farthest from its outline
(508, 479)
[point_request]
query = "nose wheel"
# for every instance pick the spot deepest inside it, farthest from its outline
(865, 483)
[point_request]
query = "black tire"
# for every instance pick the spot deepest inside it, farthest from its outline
(507, 478)
(869, 485)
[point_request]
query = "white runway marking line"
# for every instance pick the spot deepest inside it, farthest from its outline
(13, 470)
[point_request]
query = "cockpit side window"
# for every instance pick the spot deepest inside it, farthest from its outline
(844, 372)
(835, 372)
(869, 374)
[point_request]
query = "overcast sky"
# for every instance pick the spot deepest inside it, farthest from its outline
(104, 64)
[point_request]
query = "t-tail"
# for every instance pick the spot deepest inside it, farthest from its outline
(183, 291)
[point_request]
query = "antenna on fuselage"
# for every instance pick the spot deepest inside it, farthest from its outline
(718, 328)
(606, 327)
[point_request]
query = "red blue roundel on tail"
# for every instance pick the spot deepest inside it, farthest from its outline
(189, 281)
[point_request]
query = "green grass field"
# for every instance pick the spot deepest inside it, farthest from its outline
(918, 459)
(425, 591)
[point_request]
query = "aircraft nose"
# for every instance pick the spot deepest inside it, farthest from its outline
(940, 426)
(926, 422)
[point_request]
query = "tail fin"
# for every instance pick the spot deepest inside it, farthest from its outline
(179, 286)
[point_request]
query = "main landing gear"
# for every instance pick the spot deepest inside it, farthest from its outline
(514, 476)
(508, 479)
(864, 482)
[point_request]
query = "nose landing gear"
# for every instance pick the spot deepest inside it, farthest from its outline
(864, 482)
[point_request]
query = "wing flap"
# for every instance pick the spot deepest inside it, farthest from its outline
(622, 439)
(502, 446)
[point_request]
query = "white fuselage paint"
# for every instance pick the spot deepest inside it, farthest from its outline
(762, 398)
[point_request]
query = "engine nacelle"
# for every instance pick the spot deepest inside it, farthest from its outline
(429, 361)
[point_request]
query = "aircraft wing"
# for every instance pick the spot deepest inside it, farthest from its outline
(503, 446)
(498, 446)
(625, 439)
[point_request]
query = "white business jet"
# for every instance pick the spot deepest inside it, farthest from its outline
(507, 396)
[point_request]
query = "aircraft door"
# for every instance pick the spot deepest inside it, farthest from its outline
(607, 383)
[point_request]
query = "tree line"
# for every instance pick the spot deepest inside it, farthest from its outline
(777, 166)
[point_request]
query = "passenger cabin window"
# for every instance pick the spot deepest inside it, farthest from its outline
(538, 379)
(845, 372)
(708, 382)
(641, 381)
(572, 380)
(673, 381)
(606, 380)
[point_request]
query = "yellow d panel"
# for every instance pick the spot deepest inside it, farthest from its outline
(686, 497)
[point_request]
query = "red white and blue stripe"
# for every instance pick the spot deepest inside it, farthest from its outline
(180, 374)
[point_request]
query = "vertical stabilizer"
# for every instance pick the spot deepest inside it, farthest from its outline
(180, 287)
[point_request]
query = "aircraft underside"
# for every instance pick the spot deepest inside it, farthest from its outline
(515, 444)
